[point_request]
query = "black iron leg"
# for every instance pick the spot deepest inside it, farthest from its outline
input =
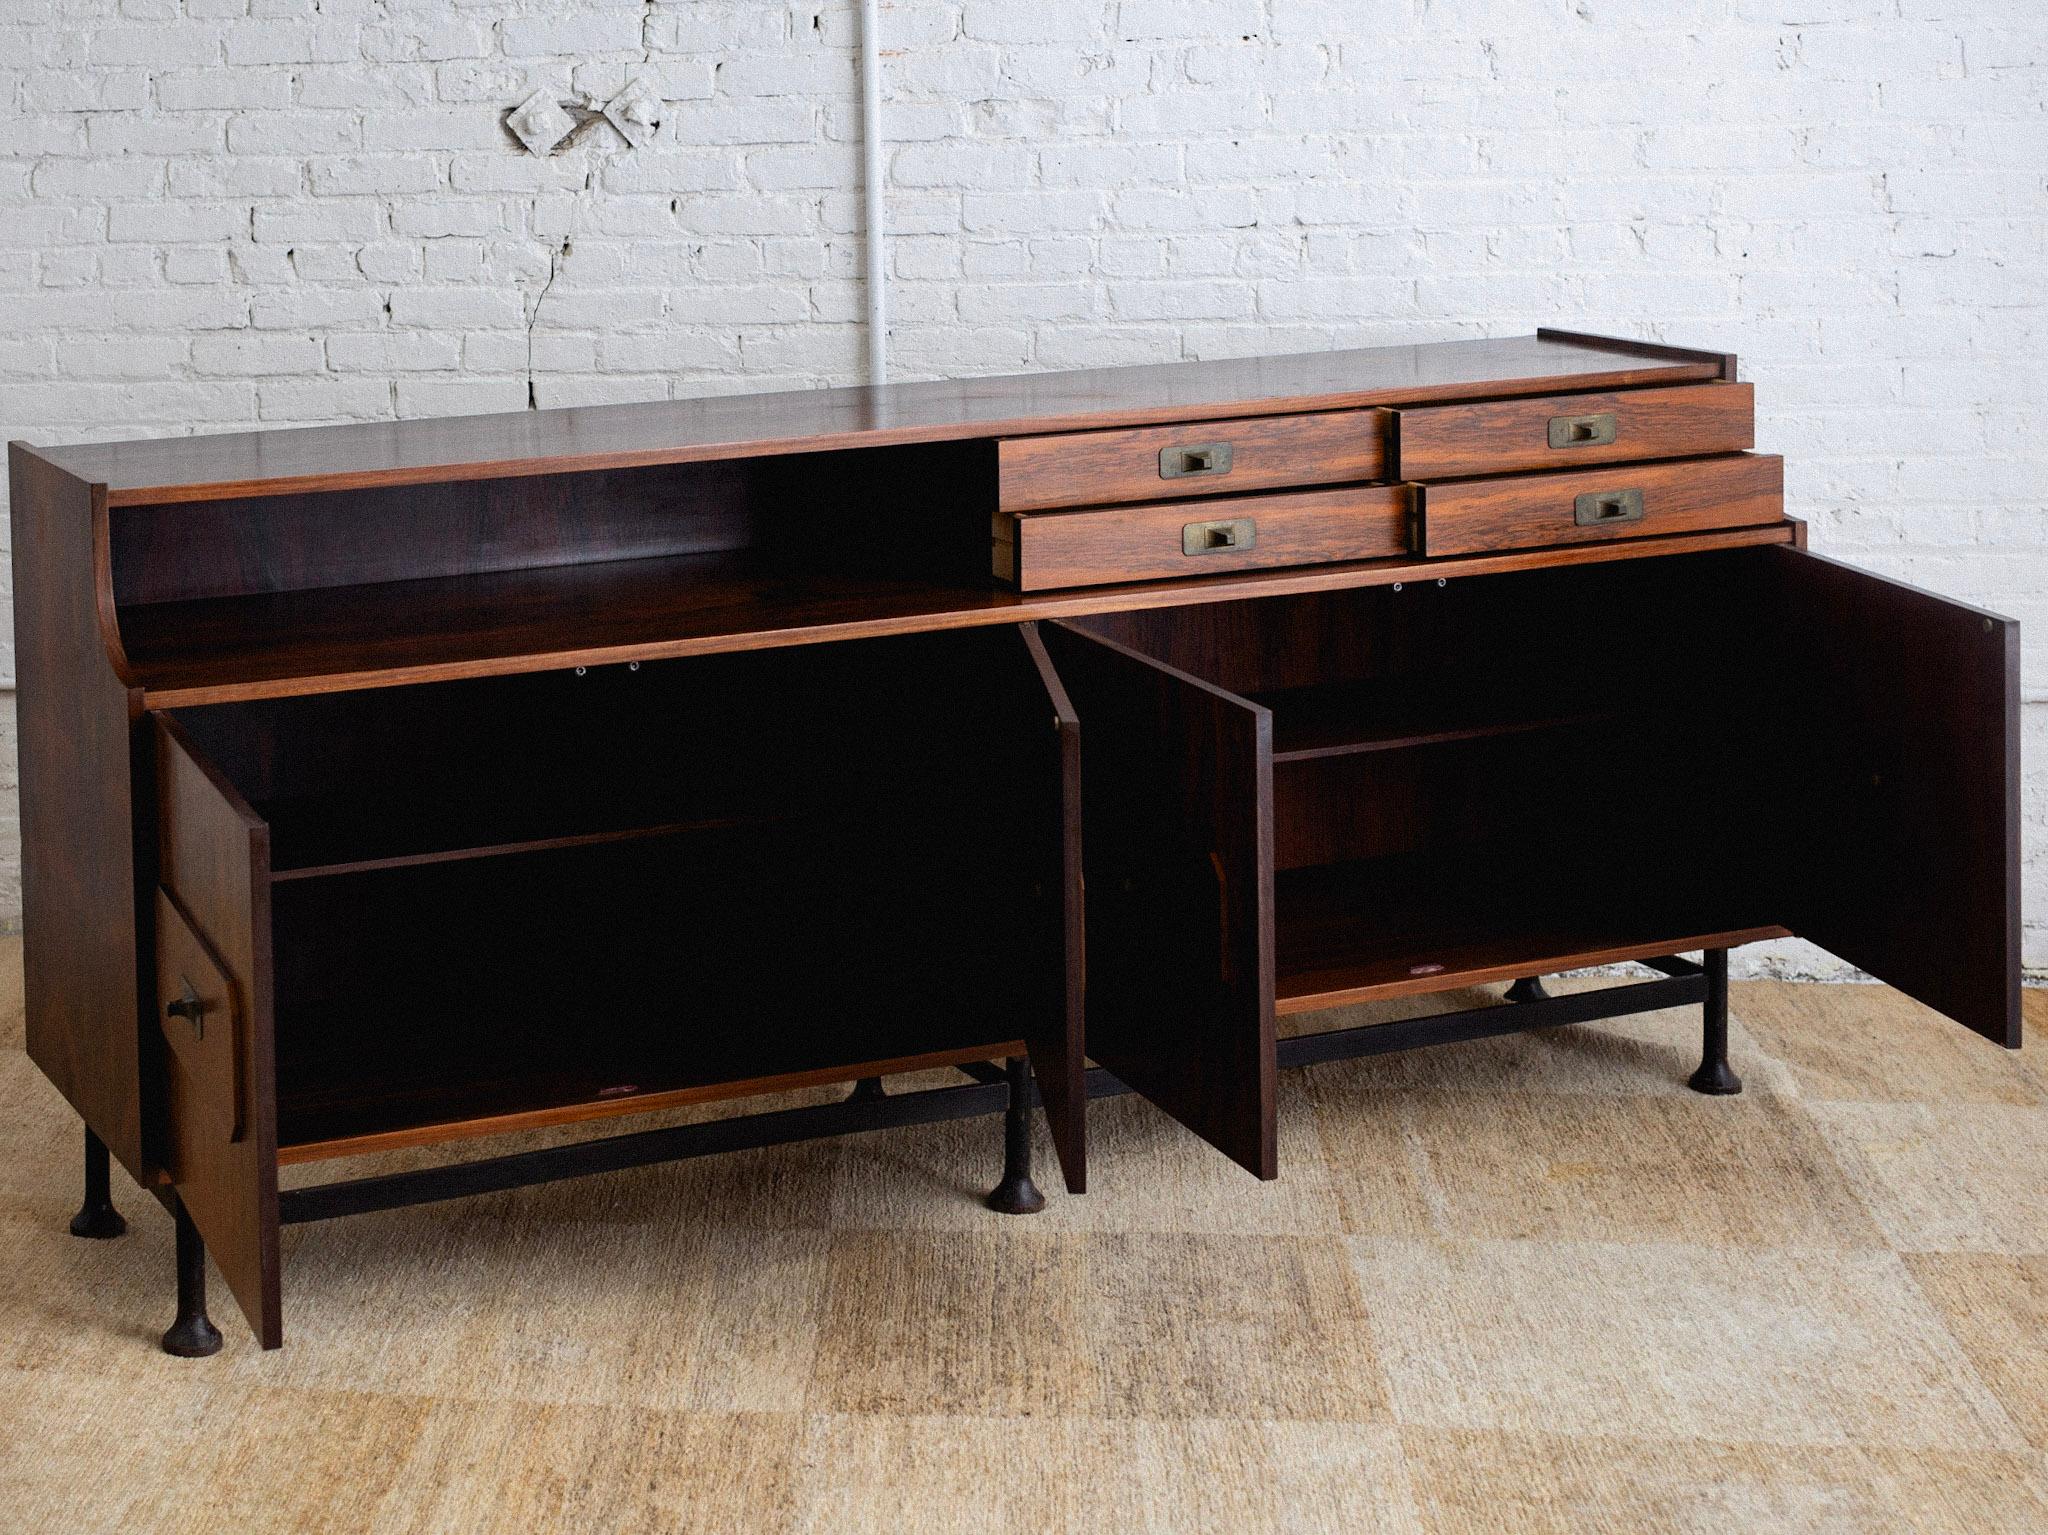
(1714, 1076)
(97, 1217)
(193, 1335)
(1528, 989)
(867, 1090)
(1017, 1194)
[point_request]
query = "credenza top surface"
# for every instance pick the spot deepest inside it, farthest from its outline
(200, 468)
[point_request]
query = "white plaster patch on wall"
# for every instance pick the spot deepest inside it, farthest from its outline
(230, 213)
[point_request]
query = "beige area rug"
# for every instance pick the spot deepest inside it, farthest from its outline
(1530, 1284)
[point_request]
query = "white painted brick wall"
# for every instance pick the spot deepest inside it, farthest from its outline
(232, 213)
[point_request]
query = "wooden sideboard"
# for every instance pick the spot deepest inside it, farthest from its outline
(404, 783)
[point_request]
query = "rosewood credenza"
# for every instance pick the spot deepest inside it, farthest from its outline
(393, 784)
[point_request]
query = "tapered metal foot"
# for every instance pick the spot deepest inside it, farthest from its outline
(97, 1218)
(867, 1090)
(1714, 1076)
(1017, 1194)
(193, 1335)
(1528, 989)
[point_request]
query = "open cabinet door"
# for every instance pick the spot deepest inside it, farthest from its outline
(213, 1005)
(1177, 792)
(1057, 1038)
(1903, 708)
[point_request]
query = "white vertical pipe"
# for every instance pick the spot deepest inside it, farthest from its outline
(871, 178)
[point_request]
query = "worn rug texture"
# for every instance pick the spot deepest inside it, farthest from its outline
(1529, 1284)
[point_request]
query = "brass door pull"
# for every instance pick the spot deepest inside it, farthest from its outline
(1221, 537)
(1582, 431)
(1196, 459)
(190, 1008)
(1598, 506)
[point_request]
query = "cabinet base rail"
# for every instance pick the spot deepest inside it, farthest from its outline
(1681, 983)
(1007, 1088)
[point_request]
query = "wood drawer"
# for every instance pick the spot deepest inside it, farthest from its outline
(1156, 463)
(1200, 538)
(1625, 501)
(1562, 431)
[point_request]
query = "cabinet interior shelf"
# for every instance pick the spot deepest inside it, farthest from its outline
(725, 600)
(593, 980)
(1425, 922)
(1342, 718)
(277, 643)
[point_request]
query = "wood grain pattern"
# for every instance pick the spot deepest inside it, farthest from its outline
(1509, 436)
(1901, 712)
(1530, 511)
(207, 1046)
(741, 426)
(1101, 546)
(1112, 468)
(1059, 1034)
(1177, 786)
(79, 822)
(214, 865)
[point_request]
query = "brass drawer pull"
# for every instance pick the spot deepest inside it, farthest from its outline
(1199, 459)
(1598, 506)
(1582, 431)
(1228, 536)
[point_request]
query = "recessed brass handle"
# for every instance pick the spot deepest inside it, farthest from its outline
(1598, 506)
(1186, 462)
(1222, 537)
(188, 1006)
(1582, 431)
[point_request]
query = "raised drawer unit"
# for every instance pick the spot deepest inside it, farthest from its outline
(1207, 458)
(412, 783)
(1037, 550)
(1466, 477)
(1567, 431)
(1525, 511)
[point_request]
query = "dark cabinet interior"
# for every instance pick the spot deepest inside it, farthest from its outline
(543, 897)
(291, 587)
(1338, 796)
(1494, 771)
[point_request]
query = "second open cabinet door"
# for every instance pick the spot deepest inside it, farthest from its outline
(213, 1009)
(1899, 716)
(1305, 800)
(1056, 1038)
(1177, 781)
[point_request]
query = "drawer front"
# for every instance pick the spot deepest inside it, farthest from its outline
(1626, 501)
(1159, 463)
(1565, 430)
(1201, 538)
